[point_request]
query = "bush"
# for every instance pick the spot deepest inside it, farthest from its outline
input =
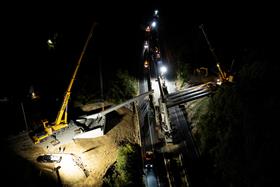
(126, 171)
(238, 136)
(123, 87)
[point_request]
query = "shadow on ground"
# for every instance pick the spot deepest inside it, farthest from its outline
(112, 119)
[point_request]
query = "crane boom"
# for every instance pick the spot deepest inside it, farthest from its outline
(222, 74)
(59, 123)
(48, 128)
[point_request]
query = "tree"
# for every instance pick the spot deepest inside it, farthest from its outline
(127, 170)
(238, 136)
(122, 88)
(184, 72)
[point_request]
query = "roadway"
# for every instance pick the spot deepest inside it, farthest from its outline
(186, 160)
(149, 135)
(177, 166)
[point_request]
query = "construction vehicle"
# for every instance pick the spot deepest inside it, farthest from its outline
(61, 119)
(223, 76)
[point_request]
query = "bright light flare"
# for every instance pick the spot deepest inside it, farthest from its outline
(163, 69)
(69, 170)
(67, 163)
(34, 95)
(219, 82)
(156, 12)
(146, 45)
(154, 24)
(148, 29)
(50, 42)
(146, 64)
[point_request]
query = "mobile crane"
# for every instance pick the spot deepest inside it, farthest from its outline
(61, 119)
(224, 77)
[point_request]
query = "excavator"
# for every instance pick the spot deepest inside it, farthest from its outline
(223, 76)
(61, 119)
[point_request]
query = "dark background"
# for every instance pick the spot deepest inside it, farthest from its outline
(117, 41)
(233, 28)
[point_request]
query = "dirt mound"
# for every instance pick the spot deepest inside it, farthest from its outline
(96, 155)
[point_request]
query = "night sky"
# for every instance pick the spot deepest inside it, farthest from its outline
(116, 42)
(118, 39)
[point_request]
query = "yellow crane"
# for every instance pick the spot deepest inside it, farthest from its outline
(61, 119)
(222, 74)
